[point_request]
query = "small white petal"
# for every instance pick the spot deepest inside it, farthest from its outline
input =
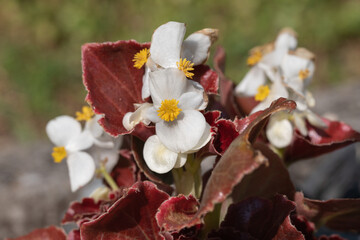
(62, 129)
(195, 48)
(94, 127)
(81, 142)
(81, 169)
(191, 101)
(286, 40)
(145, 90)
(279, 132)
(207, 164)
(300, 123)
(254, 78)
(168, 83)
(181, 160)
(314, 119)
(166, 44)
(203, 140)
(131, 119)
(157, 157)
(184, 133)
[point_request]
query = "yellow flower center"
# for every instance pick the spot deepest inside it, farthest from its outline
(263, 92)
(304, 74)
(186, 66)
(254, 58)
(141, 58)
(86, 114)
(169, 110)
(59, 153)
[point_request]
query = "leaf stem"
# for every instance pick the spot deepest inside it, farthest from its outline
(107, 177)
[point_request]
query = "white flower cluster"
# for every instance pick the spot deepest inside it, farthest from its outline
(176, 101)
(71, 141)
(280, 70)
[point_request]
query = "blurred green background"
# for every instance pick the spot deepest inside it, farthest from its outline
(40, 68)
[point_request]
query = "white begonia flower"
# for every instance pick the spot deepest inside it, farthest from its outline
(279, 130)
(180, 127)
(169, 50)
(298, 69)
(65, 132)
(264, 62)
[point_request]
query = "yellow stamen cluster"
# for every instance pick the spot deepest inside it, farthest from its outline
(263, 92)
(186, 66)
(58, 154)
(86, 114)
(254, 58)
(303, 74)
(169, 110)
(141, 58)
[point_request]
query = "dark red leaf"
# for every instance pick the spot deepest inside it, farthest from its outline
(337, 214)
(259, 218)
(124, 173)
(175, 211)
(320, 141)
(207, 78)
(77, 211)
(332, 237)
(131, 217)
(50, 233)
(288, 231)
(306, 227)
(246, 104)
(225, 135)
(112, 82)
(269, 179)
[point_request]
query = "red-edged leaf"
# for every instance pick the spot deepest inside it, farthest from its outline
(288, 231)
(337, 214)
(50, 233)
(306, 227)
(259, 218)
(175, 211)
(225, 135)
(207, 78)
(112, 82)
(74, 235)
(131, 217)
(77, 211)
(270, 179)
(320, 141)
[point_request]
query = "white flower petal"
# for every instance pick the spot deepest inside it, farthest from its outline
(184, 133)
(94, 127)
(81, 169)
(191, 101)
(145, 90)
(254, 78)
(314, 119)
(131, 119)
(181, 160)
(300, 123)
(166, 44)
(279, 132)
(168, 83)
(286, 40)
(152, 115)
(195, 48)
(203, 140)
(81, 142)
(157, 157)
(62, 129)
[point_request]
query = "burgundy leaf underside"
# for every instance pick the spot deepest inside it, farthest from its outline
(50, 233)
(321, 141)
(131, 217)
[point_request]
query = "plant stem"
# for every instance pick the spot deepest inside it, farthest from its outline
(108, 178)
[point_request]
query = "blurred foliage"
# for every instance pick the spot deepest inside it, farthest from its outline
(40, 68)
